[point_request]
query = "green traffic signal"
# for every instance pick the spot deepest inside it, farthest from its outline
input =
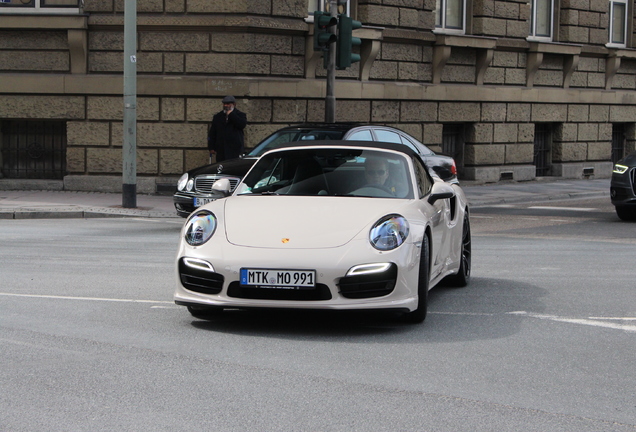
(322, 37)
(345, 42)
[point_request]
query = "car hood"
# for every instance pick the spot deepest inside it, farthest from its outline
(231, 167)
(302, 222)
(629, 160)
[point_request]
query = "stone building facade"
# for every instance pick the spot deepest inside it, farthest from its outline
(507, 101)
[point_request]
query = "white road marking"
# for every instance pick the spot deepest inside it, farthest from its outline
(592, 321)
(85, 298)
(581, 209)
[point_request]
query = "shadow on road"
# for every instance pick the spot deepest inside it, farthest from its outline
(479, 311)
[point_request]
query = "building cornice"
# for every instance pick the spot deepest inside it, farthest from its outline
(248, 87)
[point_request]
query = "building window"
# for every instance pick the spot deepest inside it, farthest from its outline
(618, 23)
(323, 5)
(541, 19)
(33, 149)
(619, 138)
(450, 16)
(543, 148)
(40, 6)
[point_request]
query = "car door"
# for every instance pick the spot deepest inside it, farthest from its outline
(440, 219)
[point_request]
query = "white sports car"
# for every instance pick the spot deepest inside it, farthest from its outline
(326, 225)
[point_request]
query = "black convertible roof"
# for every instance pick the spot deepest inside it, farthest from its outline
(403, 148)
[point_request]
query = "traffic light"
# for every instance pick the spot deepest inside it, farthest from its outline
(322, 36)
(345, 42)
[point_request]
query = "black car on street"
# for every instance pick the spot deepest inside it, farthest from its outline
(194, 188)
(623, 187)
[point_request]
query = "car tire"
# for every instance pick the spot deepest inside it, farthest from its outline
(626, 213)
(462, 277)
(419, 315)
(205, 312)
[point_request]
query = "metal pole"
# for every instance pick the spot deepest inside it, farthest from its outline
(129, 169)
(330, 100)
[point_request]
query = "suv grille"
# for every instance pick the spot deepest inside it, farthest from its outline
(632, 178)
(204, 183)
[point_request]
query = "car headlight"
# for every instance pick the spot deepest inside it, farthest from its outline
(200, 227)
(389, 232)
(620, 169)
(183, 180)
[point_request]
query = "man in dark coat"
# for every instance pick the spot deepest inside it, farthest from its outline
(225, 135)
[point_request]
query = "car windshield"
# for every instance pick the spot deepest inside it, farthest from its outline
(281, 138)
(330, 172)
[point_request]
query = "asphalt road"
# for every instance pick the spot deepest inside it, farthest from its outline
(543, 339)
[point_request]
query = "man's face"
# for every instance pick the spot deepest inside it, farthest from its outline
(228, 107)
(376, 171)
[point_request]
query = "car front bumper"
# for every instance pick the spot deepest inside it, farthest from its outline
(623, 188)
(395, 288)
(184, 202)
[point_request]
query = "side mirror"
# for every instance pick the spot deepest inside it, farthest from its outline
(440, 191)
(222, 185)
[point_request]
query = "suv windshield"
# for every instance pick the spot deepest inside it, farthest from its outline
(281, 138)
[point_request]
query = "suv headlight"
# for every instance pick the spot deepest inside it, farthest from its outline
(620, 169)
(200, 228)
(389, 232)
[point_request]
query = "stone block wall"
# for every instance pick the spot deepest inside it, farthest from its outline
(590, 73)
(193, 52)
(209, 53)
(292, 8)
(507, 68)
(582, 138)
(507, 19)
(584, 22)
(34, 51)
(405, 14)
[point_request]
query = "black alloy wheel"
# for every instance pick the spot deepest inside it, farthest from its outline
(462, 277)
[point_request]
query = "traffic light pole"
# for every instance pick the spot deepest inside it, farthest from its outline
(330, 100)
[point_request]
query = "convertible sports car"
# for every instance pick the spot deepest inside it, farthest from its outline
(326, 225)
(194, 188)
(623, 187)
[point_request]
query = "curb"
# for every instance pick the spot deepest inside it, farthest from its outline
(477, 202)
(81, 214)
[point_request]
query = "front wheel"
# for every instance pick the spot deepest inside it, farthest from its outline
(419, 315)
(626, 213)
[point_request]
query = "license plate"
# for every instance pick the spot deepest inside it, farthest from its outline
(198, 202)
(268, 278)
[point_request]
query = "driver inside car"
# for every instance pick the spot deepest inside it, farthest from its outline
(376, 173)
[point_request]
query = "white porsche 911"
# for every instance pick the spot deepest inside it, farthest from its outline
(326, 225)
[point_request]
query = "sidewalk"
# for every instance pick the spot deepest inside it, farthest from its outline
(63, 204)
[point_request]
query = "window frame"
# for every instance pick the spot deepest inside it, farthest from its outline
(533, 23)
(321, 5)
(441, 8)
(626, 5)
(423, 178)
(39, 8)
